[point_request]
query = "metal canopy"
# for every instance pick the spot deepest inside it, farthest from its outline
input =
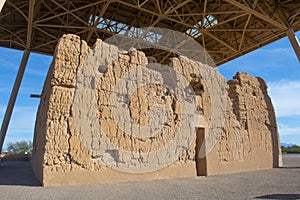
(225, 28)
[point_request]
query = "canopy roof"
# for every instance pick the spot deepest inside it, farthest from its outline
(226, 29)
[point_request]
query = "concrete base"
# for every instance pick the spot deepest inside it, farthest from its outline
(82, 176)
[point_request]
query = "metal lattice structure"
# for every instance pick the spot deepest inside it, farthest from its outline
(226, 29)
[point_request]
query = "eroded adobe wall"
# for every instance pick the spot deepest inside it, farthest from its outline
(250, 138)
(99, 121)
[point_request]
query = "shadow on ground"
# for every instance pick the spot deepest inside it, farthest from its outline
(17, 173)
(280, 196)
(289, 168)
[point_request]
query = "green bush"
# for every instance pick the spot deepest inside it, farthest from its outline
(20, 147)
(291, 149)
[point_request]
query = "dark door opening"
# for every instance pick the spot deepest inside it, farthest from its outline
(200, 157)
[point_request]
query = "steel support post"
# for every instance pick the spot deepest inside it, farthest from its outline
(13, 97)
(294, 42)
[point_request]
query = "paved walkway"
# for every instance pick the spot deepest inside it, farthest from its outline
(17, 182)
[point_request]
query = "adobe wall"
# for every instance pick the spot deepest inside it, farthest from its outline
(250, 138)
(100, 118)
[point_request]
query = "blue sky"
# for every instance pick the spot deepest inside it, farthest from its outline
(279, 66)
(276, 63)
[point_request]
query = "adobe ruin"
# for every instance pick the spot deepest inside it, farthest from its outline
(83, 134)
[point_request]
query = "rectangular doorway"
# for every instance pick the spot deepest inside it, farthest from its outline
(200, 157)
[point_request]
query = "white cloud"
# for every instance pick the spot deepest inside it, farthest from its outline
(35, 72)
(283, 51)
(23, 117)
(22, 120)
(286, 130)
(5, 89)
(285, 96)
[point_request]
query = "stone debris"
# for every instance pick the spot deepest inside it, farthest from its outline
(108, 115)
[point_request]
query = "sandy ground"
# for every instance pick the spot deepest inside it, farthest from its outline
(17, 182)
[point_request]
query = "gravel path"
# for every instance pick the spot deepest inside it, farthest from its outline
(17, 182)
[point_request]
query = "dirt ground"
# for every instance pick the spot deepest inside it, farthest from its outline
(18, 182)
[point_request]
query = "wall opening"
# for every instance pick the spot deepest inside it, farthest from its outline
(201, 164)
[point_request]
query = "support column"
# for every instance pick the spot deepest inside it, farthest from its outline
(294, 42)
(13, 97)
(289, 32)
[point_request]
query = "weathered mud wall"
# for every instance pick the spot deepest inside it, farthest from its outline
(100, 120)
(250, 138)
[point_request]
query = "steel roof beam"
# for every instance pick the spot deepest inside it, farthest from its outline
(256, 14)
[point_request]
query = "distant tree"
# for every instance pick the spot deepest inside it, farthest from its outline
(291, 149)
(20, 147)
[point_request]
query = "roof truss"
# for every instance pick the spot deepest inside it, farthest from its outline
(242, 25)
